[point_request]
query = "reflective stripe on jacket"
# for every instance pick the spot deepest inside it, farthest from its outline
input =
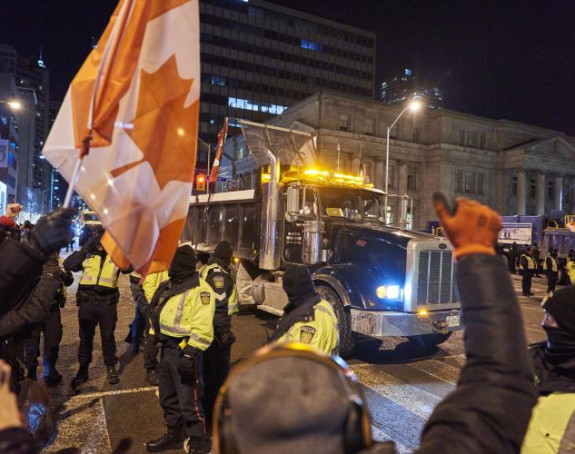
(190, 314)
(527, 262)
(232, 298)
(550, 264)
(552, 426)
(321, 333)
(96, 272)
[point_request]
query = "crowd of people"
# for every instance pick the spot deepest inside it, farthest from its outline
(294, 395)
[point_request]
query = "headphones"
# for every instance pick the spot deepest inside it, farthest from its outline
(357, 429)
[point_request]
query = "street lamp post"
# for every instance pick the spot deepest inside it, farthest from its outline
(414, 106)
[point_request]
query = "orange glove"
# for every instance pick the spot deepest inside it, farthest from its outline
(472, 228)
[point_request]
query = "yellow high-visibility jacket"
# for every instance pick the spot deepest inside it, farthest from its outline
(190, 315)
(219, 286)
(552, 425)
(97, 272)
(321, 333)
(152, 282)
(550, 264)
(528, 262)
(571, 271)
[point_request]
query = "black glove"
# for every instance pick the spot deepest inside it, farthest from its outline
(187, 363)
(52, 232)
(227, 338)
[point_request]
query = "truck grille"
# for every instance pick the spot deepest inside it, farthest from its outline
(435, 280)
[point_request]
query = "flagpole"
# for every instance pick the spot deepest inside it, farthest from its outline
(73, 182)
(208, 178)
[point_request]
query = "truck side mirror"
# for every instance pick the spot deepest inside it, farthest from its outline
(293, 204)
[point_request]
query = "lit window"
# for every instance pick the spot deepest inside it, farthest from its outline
(219, 81)
(311, 45)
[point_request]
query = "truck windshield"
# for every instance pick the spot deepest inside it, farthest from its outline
(353, 204)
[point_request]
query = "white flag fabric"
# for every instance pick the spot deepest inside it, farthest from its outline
(137, 98)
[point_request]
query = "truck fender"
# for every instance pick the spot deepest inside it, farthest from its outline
(335, 284)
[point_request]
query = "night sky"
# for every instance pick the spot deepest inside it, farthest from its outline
(507, 59)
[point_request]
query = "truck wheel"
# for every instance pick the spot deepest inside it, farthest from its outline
(343, 317)
(429, 340)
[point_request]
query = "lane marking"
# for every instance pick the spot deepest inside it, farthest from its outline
(114, 393)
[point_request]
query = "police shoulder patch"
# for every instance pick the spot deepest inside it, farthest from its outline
(306, 334)
(219, 282)
(205, 298)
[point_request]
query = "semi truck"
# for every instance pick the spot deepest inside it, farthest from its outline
(381, 280)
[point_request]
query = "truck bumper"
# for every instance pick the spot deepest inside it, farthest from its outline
(385, 324)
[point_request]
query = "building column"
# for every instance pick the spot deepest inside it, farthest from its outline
(402, 181)
(355, 163)
(540, 194)
(379, 182)
(558, 188)
(521, 192)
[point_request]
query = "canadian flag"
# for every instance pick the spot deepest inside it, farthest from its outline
(135, 105)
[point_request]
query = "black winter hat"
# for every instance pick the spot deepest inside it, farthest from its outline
(224, 251)
(562, 307)
(297, 281)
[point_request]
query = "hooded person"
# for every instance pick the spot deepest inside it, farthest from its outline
(182, 314)
(217, 357)
(552, 426)
(307, 318)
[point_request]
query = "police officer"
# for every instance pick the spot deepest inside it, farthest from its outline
(51, 326)
(307, 317)
(217, 358)
(552, 425)
(183, 315)
(551, 269)
(527, 267)
(97, 299)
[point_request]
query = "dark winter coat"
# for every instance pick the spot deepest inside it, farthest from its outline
(17, 441)
(20, 271)
(490, 409)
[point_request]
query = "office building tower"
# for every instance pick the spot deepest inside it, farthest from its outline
(259, 58)
(404, 86)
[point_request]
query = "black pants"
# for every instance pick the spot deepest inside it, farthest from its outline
(526, 281)
(551, 280)
(52, 329)
(98, 310)
(216, 370)
(180, 399)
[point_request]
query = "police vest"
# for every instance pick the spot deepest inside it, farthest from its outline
(553, 264)
(552, 425)
(571, 271)
(321, 333)
(100, 272)
(530, 262)
(233, 306)
(190, 315)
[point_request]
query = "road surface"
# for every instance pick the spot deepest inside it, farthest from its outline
(402, 384)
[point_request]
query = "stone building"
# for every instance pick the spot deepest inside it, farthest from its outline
(513, 167)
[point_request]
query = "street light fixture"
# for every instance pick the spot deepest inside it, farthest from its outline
(14, 104)
(414, 105)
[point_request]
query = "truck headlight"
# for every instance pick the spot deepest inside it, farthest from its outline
(389, 292)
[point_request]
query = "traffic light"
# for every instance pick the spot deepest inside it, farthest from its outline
(201, 183)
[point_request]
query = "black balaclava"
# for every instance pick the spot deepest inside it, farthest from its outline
(183, 265)
(561, 339)
(297, 283)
